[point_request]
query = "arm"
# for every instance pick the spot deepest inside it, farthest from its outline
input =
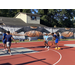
(53, 38)
(44, 39)
(49, 34)
(2, 38)
(13, 39)
(16, 34)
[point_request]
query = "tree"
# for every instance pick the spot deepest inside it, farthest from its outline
(27, 10)
(65, 17)
(13, 12)
(58, 17)
(8, 12)
(4, 12)
(47, 17)
(45, 11)
(21, 10)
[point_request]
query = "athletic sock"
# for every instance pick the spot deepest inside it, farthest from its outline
(10, 53)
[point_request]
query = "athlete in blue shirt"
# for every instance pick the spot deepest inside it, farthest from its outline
(55, 38)
(8, 40)
(46, 40)
(4, 40)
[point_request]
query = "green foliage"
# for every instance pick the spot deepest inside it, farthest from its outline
(49, 17)
(12, 12)
(58, 17)
(26, 10)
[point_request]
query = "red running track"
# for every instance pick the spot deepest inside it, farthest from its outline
(65, 56)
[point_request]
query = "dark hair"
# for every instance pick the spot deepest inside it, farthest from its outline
(8, 32)
(52, 33)
(4, 31)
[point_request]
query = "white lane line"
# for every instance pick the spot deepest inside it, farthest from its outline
(44, 51)
(17, 51)
(59, 58)
(56, 52)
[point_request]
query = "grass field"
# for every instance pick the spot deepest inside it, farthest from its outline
(26, 41)
(41, 40)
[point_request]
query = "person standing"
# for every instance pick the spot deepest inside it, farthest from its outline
(58, 36)
(55, 40)
(8, 41)
(46, 41)
(4, 41)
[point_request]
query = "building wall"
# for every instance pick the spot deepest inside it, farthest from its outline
(23, 17)
(27, 19)
(37, 21)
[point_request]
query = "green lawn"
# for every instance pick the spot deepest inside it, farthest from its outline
(26, 41)
(40, 40)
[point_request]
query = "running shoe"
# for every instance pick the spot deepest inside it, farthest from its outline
(48, 47)
(56, 48)
(45, 46)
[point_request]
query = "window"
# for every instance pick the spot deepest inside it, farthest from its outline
(33, 17)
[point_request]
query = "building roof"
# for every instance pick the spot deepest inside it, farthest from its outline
(12, 21)
(30, 14)
(15, 22)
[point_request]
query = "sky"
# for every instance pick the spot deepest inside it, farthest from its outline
(35, 10)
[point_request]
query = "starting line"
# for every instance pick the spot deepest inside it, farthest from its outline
(15, 51)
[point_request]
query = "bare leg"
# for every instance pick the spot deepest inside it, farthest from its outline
(47, 44)
(8, 46)
(4, 45)
(44, 43)
(9, 50)
(56, 45)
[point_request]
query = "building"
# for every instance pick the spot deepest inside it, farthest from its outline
(21, 19)
(21, 23)
(29, 18)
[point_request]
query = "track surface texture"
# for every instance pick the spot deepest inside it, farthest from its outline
(39, 55)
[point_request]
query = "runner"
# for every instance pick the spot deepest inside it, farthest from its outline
(4, 41)
(58, 36)
(46, 41)
(8, 41)
(55, 38)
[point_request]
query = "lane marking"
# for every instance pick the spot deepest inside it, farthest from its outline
(43, 51)
(56, 52)
(59, 58)
(15, 50)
